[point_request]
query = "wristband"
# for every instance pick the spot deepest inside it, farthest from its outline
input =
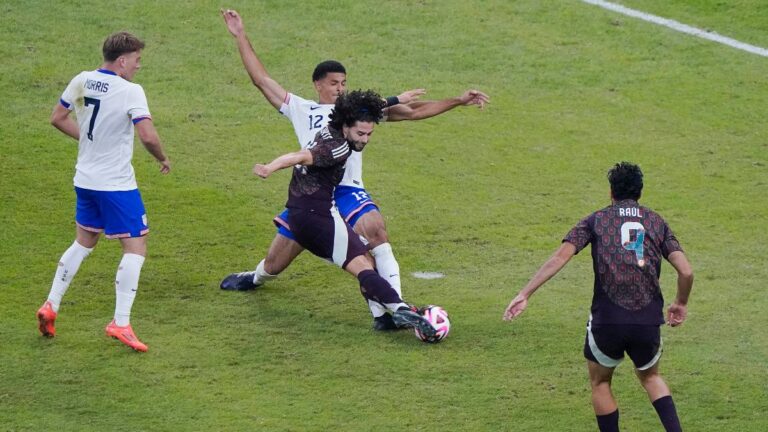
(392, 100)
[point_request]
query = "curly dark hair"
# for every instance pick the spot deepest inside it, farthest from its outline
(359, 105)
(626, 181)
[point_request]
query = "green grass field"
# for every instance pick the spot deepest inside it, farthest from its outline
(481, 196)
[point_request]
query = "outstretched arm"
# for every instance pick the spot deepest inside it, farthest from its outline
(425, 109)
(61, 120)
(301, 157)
(550, 268)
(678, 310)
(273, 92)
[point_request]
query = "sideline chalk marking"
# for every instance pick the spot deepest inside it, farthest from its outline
(674, 25)
(428, 275)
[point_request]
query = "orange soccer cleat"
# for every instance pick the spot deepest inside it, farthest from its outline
(125, 335)
(45, 319)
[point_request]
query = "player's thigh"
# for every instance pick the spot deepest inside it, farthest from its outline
(327, 236)
(86, 238)
(598, 373)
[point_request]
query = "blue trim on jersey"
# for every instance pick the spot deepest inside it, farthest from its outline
(106, 71)
(138, 119)
(353, 203)
(64, 103)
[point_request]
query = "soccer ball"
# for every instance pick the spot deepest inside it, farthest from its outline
(438, 317)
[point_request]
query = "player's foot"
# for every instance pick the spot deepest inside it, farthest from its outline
(409, 317)
(45, 319)
(242, 281)
(125, 335)
(384, 323)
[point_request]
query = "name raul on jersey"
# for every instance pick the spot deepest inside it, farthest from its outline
(630, 211)
(94, 85)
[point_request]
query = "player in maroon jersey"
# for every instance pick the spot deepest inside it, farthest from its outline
(314, 219)
(628, 243)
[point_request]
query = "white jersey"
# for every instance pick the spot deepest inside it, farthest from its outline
(308, 118)
(107, 106)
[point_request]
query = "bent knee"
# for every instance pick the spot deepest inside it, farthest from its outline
(378, 238)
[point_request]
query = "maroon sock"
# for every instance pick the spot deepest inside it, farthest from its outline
(665, 408)
(608, 422)
(374, 287)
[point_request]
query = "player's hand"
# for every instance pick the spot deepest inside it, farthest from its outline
(261, 170)
(516, 307)
(233, 21)
(165, 166)
(676, 314)
(410, 95)
(474, 97)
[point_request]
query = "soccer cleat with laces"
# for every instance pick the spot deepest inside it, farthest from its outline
(242, 281)
(410, 317)
(45, 320)
(125, 335)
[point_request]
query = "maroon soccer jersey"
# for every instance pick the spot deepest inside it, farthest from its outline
(312, 186)
(628, 243)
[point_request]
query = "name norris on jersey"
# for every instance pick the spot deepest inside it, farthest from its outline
(96, 85)
(631, 211)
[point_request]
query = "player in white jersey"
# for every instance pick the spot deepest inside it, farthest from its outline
(353, 201)
(108, 106)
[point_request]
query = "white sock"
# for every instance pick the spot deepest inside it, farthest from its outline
(376, 308)
(68, 266)
(126, 284)
(393, 307)
(260, 276)
(387, 266)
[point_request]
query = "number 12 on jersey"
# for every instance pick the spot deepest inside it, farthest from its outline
(315, 121)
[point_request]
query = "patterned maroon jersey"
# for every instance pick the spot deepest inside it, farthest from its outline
(628, 243)
(312, 186)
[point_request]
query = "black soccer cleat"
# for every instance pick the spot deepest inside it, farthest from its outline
(242, 281)
(384, 323)
(408, 317)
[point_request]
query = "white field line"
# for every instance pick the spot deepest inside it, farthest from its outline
(674, 25)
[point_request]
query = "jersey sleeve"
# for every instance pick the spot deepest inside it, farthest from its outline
(70, 94)
(136, 104)
(290, 106)
(669, 244)
(328, 152)
(581, 234)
